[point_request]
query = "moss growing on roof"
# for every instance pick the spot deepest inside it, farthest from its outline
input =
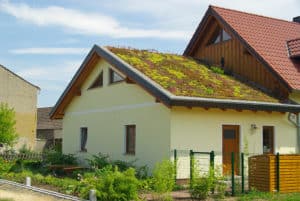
(183, 76)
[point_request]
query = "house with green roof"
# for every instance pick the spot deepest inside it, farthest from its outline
(142, 105)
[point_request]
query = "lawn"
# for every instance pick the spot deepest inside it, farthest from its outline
(262, 196)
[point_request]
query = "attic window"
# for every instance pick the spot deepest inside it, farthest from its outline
(114, 77)
(220, 35)
(98, 82)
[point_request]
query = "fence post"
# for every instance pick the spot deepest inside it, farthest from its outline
(92, 195)
(243, 173)
(232, 174)
(28, 181)
(277, 172)
(191, 167)
(175, 164)
(212, 166)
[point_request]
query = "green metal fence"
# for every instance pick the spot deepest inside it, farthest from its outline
(236, 179)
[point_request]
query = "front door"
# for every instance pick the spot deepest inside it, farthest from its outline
(231, 142)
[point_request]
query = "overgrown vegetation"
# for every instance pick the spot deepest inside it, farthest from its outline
(8, 134)
(203, 184)
(184, 76)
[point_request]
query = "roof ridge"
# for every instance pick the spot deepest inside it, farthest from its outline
(248, 13)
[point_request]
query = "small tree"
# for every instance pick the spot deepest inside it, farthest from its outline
(8, 134)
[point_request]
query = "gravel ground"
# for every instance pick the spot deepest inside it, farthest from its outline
(20, 194)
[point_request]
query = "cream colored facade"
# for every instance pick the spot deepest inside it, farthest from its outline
(107, 110)
(22, 96)
(295, 96)
(159, 129)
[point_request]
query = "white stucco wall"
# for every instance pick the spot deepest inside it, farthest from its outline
(201, 130)
(106, 111)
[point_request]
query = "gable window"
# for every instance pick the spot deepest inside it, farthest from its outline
(130, 139)
(220, 35)
(114, 77)
(98, 82)
(268, 139)
(83, 138)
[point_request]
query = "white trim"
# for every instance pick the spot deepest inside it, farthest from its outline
(115, 108)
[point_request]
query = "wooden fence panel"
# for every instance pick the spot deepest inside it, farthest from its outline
(262, 173)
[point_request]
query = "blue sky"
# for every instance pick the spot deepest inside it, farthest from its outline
(46, 41)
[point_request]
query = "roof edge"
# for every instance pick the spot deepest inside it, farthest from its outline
(37, 87)
(234, 104)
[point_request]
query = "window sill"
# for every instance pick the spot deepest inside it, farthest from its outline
(129, 154)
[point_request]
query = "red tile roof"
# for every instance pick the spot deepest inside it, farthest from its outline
(268, 37)
(294, 47)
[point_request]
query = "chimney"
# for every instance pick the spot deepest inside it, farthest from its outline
(296, 19)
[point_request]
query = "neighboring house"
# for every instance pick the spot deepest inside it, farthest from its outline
(138, 104)
(20, 95)
(49, 132)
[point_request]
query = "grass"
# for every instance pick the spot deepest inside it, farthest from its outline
(6, 199)
(262, 196)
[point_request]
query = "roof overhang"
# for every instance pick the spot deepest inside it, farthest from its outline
(156, 90)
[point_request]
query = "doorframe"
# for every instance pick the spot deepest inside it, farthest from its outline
(240, 139)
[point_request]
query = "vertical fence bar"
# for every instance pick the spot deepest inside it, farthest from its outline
(175, 164)
(212, 166)
(232, 174)
(243, 173)
(191, 167)
(277, 172)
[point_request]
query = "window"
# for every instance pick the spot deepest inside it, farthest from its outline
(219, 35)
(98, 82)
(83, 138)
(268, 139)
(130, 139)
(114, 77)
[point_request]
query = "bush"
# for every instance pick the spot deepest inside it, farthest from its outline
(163, 177)
(8, 134)
(201, 187)
(203, 184)
(217, 70)
(5, 166)
(53, 157)
(112, 185)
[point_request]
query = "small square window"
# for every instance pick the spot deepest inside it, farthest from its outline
(130, 139)
(83, 138)
(114, 77)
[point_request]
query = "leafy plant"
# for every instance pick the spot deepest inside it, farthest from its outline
(53, 157)
(217, 70)
(5, 166)
(8, 134)
(163, 177)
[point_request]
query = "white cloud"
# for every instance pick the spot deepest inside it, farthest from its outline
(79, 22)
(58, 73)
(49, 50)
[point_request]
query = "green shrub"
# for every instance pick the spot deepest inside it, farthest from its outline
(5, 166)
(201, 187)
(99, 161)
(163, 177)
(53, 157)
(112, 185)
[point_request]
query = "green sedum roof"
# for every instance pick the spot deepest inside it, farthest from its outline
(184, 76)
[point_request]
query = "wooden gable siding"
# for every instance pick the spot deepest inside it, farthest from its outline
(238, 60)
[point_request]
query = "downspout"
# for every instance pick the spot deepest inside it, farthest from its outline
(296, 122)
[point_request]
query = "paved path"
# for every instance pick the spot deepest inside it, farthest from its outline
(20, 194)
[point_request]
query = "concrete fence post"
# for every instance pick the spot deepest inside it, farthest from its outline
(93, 196)
(28, 181)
